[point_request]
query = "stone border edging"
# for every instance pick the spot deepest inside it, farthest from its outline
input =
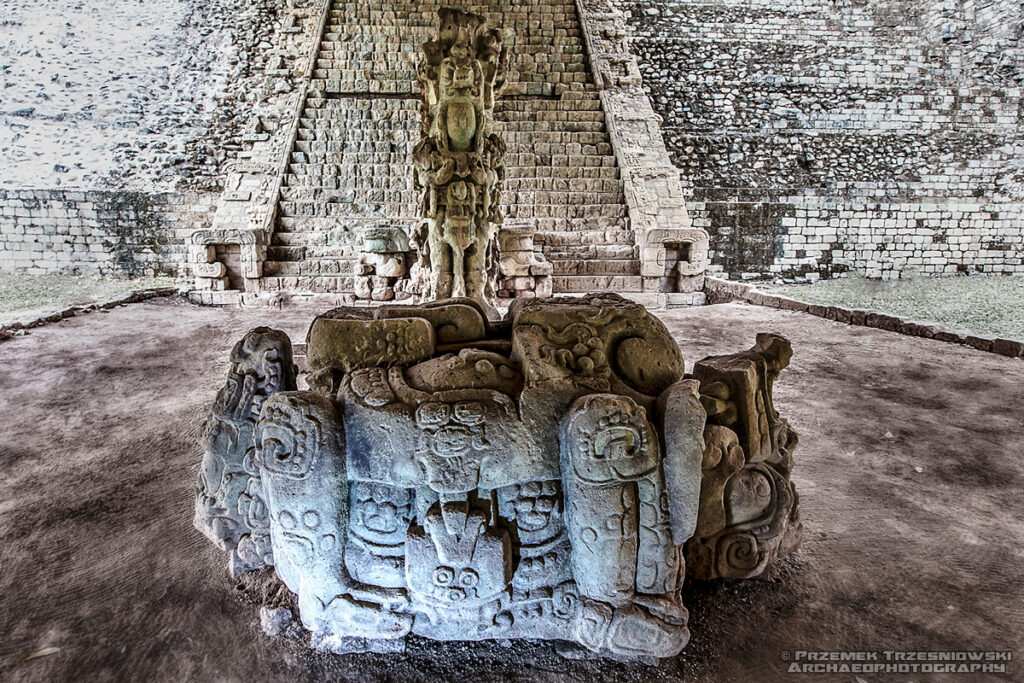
(723, 291)
(12, 329)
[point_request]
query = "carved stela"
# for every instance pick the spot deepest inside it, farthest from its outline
(459, 160)
(553, 475)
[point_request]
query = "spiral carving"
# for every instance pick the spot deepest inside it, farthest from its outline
(737, 556)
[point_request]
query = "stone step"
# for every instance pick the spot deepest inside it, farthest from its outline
(298, 166)
(318, 195)
(339, 237)
(343, 181)
(597, 251)
(380, 207)
(611, 234)
(338, 210)
(596, 267)
(581, 284)
(398, 194)
(582, 211)
(300, 225)
(540, 171)
(518, 178)
(337, 267)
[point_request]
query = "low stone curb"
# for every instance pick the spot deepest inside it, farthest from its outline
(724, 291)
(18, 327)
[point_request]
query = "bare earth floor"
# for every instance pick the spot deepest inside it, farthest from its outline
(102, 576)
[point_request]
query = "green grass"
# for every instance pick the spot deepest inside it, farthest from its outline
(983, 304)
(21, 294)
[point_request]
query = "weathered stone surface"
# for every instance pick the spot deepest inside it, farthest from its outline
(350, 344)
(230, 504)
(541, 478)
(982, 342)
(459, 160)
(1008, 347)
(748, 511)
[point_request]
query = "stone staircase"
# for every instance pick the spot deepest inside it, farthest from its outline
(350, 165)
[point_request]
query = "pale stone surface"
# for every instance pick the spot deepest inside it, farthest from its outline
(465, 479)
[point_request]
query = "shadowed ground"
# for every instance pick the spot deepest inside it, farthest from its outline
(103, 577)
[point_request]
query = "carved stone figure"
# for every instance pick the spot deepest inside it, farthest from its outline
(465, 479)
(230, 508)
(748, 511)
(459, 167)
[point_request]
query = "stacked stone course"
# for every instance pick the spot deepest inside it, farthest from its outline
(819, 138)
(99, 232)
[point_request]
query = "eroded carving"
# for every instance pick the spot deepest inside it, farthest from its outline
(230, 508)
(748, 506)
(540, 477)
(459, 166)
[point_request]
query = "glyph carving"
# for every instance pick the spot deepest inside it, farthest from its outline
(748, 510)
(230, 505)
(459, 166)
(553, 475)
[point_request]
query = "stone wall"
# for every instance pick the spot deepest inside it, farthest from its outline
(818, 137)
(148, 94)
(99, 232)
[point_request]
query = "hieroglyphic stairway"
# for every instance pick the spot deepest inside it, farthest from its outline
(349, 167)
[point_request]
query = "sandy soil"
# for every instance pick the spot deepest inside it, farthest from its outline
(102, 576)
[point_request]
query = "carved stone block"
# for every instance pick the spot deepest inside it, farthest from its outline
(549, 476)
(748, 509)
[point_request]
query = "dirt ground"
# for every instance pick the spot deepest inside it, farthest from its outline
(909, 471)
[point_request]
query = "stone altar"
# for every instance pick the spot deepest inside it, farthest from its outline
(552, 475)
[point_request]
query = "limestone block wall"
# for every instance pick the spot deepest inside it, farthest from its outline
(818, 137)
(104, 232)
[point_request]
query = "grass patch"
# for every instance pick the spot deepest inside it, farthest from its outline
(21, 294)
(983, 304)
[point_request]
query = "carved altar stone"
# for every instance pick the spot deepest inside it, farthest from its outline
(554, 475)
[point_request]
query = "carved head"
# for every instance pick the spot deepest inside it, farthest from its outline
(452, 441)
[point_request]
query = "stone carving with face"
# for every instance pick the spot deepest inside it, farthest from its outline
(459, 165)
(379, 519)
(453, 441)
(478, 488)
(228, 499)
(457, 561)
